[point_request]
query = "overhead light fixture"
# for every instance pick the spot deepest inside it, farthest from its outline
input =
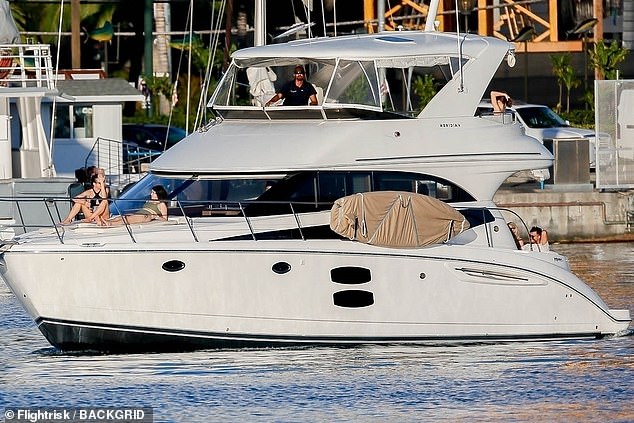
(466, 6)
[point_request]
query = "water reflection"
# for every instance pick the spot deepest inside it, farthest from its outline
(607, 268)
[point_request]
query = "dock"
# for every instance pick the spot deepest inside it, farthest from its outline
(570, 213)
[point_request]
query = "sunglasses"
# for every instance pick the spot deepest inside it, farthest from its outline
(299, 73)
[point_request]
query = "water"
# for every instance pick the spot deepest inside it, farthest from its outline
(533, 381)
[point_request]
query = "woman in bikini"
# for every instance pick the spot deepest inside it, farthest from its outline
(153, 209)
(92, 203)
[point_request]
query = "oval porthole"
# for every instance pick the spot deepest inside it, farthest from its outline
(173, 266)
(281, 267)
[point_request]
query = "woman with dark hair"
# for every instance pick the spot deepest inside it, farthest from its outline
(500, 101)
(92, 203)
(153, 209)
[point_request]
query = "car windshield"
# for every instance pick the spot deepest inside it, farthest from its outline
(174, 136)
(541, 117)
(152, 137)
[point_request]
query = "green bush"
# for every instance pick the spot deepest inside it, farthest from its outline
(580, 118)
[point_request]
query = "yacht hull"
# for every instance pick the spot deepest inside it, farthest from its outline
(263, 293)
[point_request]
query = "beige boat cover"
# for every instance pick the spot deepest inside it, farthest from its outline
(395, 219)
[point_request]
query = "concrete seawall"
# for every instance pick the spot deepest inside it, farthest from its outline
(574, 213)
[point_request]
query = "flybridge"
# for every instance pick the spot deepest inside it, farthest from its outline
(376, 76)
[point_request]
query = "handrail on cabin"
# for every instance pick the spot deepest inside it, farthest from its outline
(241, 208)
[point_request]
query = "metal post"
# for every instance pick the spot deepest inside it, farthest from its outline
(526, 71)
(259, 23)
(148, 18)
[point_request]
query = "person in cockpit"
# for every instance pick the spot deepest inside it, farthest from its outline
(298, 92)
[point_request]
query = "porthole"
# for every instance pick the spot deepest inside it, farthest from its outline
(173, 266)
(281, 267)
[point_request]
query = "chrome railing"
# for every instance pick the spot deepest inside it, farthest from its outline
(189, 213)
(49, 213)
(120, 159)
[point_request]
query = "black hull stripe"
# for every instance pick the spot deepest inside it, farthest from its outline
(74, 336)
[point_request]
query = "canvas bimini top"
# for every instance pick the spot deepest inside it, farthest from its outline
(376, 72)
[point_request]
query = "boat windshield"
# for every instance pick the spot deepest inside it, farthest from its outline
(345, 88)
(268, 194)
(192, 191)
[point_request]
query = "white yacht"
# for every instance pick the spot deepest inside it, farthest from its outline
(247, 256)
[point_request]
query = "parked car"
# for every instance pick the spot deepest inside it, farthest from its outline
(142, 143)
(542, 122)
(152, 136)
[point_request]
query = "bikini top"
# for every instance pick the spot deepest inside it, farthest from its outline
(96, 199)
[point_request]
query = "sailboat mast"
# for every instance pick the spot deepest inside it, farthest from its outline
(259, 23)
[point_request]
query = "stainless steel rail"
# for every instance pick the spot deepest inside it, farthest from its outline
(193, 211)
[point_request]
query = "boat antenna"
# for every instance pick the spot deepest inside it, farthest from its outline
(259, 22)
(334, 16)
(430, 22)
(213, 47)
(190, 18)
(50, 169)
(323, 16)
(308, 6)
(460, 40)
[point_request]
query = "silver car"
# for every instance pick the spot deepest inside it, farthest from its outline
(542, 122)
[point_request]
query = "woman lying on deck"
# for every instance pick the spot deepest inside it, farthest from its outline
(153, 209)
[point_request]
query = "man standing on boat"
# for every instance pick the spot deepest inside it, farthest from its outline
(297, 92)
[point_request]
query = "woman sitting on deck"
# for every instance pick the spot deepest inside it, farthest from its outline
(93, 203)
(153, 209)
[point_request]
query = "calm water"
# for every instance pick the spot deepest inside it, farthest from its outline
(549, 381)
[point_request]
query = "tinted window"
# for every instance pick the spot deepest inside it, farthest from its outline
(152, 137)
(541, 117)
(323, 188)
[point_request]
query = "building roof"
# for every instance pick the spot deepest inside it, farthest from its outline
(109, 90)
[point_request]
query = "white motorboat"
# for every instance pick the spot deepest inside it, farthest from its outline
(247, 256)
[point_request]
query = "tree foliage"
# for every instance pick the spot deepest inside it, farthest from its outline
(606, 57)
(566, 77)
(425, 89)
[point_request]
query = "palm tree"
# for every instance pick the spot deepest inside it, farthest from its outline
(571, 81)
(560, 62)
(606, 58)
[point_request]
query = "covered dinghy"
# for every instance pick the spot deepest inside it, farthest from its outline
(395, 219)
